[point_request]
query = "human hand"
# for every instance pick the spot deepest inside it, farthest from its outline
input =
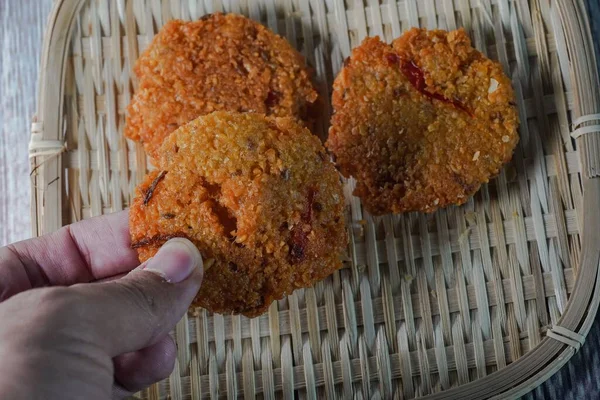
(78, 339)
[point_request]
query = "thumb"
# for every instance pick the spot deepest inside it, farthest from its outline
(139, 309)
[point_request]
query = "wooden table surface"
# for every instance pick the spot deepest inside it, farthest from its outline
(19, 59)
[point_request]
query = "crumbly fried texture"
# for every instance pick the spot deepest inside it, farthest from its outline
(260, 199)
(421, 123)
(220, 62)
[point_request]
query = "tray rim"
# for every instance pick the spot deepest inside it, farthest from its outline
(547, 357)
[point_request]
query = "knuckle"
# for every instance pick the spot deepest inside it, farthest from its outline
(54, 306)
(142, 301)
(139, 295)
(55, 301)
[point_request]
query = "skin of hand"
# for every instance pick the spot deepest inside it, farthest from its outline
(79, 319)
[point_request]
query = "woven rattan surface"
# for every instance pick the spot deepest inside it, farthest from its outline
(424, 303)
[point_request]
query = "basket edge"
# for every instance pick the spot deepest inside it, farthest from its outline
(56, 39)
(590, 259)
(577, 317)
(47, 123)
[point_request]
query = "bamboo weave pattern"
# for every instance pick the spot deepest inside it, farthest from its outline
(424, 302)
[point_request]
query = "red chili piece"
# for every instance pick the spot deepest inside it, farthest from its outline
(417, 79)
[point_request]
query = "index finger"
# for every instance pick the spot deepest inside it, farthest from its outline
(82, 252)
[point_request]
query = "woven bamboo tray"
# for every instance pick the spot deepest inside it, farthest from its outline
(488, 299)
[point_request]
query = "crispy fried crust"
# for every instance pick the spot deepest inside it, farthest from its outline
(421, 124)
(259, 198)
(221, 62)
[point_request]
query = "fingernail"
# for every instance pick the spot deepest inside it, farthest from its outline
(175, 261)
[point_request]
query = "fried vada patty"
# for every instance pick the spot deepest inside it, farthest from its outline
(421, 123)
(259, 198)
(220, 62)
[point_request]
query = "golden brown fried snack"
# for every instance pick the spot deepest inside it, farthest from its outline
(421, 124)
(221, 62)
(259, 198)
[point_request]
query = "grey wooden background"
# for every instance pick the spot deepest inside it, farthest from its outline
(22, 24)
